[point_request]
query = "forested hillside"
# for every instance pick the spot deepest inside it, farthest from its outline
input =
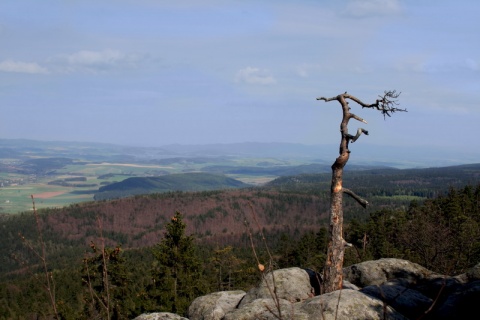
(290, 205)
(139, 221)
(428, 216)
(442, 234)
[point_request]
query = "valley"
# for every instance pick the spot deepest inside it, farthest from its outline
(63, 176)
(58, 174)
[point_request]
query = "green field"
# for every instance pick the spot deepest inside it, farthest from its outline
(17, 198)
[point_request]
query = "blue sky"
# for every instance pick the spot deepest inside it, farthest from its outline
(152, 73)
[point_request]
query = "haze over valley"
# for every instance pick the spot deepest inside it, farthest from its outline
(61, 173)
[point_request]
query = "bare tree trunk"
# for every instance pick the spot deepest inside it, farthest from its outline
(332, 273)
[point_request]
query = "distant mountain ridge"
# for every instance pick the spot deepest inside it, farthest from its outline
(285, 170)
(363, 153)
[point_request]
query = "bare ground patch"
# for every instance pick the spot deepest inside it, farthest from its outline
(47, 195)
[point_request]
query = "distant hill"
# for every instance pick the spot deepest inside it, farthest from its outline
(285, 170)
(424, 182)
(194, 181)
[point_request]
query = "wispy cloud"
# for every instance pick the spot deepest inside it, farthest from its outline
(423, 64)
(97, 61)
(365, 8)
(252, 75)
(22, 67)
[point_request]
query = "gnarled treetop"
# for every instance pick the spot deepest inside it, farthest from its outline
(386, 104)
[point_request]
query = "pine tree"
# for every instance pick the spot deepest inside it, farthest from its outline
(107, 284)
(177, 274)
(227, 267)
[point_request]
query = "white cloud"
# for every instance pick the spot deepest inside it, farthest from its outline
(22, 67)
(95, 61)
(364, 8)
(253, 75)
(95, 57)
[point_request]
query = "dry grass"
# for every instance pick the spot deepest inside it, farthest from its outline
(48, 195)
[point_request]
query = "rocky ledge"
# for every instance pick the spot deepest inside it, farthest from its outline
(380, 289)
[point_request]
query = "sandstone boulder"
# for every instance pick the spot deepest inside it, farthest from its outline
(214, 306)
(160, 316)
(380, 289)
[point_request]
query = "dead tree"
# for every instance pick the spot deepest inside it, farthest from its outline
(386, 104)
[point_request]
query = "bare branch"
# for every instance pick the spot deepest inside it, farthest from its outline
(357, 118)
(385, 104)
(361, 201)
(359, 133)
(346, 244)
(327, 99)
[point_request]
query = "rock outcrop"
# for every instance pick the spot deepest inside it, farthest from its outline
(380, 289)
